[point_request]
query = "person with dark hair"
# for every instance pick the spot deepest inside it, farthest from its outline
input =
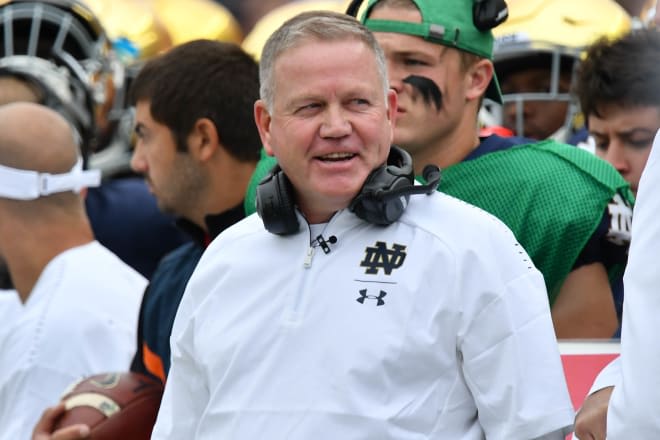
(198, 152)
(559, 201)
(198, 162)
(618, 88)
(619, 91)
(357, 304)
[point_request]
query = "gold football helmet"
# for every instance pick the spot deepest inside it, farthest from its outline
(256, 38)
(193, 19)
(136, 32)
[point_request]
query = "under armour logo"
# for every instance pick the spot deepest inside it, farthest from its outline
(380, 257)
(377, 298)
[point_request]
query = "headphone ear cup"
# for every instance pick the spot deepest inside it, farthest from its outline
(275, 203)
(486, 14)
(375, 203)
(383, 197)
(400, 164)
(353, 8)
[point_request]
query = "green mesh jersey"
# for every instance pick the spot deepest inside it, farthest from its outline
(552, 196)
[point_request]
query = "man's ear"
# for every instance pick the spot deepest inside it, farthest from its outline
(392, 99)
(479, 76)
(203, 140)
(263, 119)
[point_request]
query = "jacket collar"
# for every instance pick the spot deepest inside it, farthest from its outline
(215, 224)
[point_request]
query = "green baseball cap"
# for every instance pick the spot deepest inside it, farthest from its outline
(447, 22)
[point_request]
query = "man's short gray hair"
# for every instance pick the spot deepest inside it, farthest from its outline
(314, 26)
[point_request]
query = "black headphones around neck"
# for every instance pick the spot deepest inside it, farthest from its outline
(381, 201)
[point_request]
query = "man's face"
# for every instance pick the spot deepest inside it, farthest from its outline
(624, 136)
(331, 122)
(172, 176)
(540, 119)
(422, 127)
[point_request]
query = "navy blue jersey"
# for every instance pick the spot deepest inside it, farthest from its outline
(162, 297)
(125, 218)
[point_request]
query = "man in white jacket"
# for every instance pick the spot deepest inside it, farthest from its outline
(358, 305)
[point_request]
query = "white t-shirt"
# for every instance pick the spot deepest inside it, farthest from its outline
(634, 405)
(80, 319)
(435, 327)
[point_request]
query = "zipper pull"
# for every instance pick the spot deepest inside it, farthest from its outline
(309, 256)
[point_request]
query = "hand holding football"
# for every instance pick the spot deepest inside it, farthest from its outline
(114, 405)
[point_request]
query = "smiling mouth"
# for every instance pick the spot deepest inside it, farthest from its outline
(336, 157)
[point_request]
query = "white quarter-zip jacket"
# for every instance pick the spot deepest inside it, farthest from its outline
(435, 327)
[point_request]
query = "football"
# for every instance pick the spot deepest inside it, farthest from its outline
(114, 405)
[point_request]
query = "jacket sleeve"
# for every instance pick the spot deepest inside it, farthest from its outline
(186, 393)
(510, 356)
(633, 411)
(513, 367)
(609, 376)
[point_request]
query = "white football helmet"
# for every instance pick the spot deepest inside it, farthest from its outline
(61, 46)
